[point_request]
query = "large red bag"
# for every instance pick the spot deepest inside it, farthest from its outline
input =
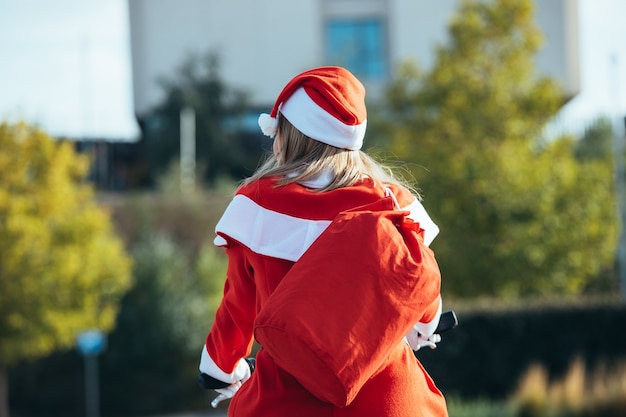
(349, 301)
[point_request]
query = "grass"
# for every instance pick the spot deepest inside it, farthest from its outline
(478, 408)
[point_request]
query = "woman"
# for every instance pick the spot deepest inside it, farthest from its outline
(316, 172)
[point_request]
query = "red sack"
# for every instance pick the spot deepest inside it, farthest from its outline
(349, 300)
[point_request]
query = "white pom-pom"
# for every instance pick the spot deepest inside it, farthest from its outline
(268, 125)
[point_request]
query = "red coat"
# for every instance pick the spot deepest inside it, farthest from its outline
(265, 229)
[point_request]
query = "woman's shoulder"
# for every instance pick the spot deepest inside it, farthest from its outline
(403, 195)
(257, 188)
(300, 201)
(269, 189)
(267, 192)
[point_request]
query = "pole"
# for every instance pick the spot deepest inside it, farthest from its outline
(187, 150)
(620, 186)
(92, 389)
(91, 343)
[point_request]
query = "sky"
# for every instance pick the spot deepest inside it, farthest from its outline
(65, 66)
(602, 62)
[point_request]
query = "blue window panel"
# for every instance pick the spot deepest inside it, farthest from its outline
(358, 45)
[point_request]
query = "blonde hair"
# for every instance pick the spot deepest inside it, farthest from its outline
(305, 159)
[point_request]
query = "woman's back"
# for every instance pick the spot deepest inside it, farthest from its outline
(316, 172)
(273, 228)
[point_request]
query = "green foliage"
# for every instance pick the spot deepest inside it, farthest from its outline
(221, 149)
(151, 361)
(597, 141)
(518, 216)
(211, 271)
(62, 269)
(161, 330)
(477, 408)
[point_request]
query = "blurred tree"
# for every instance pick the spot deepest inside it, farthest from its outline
(519, 215)
(151, 361)
(597, 141)
(223, 148)
(162, 325)
(62, 269)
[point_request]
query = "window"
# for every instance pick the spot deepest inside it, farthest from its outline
(358, 45)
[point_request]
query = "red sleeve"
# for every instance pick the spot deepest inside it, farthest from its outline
(432, 311)
(230, 338)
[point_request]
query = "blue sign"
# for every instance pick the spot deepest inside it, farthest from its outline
(91, 342)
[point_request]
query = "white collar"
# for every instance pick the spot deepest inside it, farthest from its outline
(321, 181)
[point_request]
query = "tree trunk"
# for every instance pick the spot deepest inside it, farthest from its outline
(4, 391)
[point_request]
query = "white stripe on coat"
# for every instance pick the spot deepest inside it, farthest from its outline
(279, 235)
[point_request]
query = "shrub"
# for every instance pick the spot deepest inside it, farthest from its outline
(579, 393)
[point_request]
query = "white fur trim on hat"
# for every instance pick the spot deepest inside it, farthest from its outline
(268, 125)
(316, 123)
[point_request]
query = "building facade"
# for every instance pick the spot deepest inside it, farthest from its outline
(262, 43)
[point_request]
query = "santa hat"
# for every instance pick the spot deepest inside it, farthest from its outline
(326, 104)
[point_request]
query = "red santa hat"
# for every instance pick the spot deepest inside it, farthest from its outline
(326, 104)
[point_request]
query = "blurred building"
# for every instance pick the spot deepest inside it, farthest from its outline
(261, 44)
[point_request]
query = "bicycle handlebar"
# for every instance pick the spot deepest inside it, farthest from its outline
(447, 321)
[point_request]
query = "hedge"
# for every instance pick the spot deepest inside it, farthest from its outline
(486, 355)
(483, 358)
